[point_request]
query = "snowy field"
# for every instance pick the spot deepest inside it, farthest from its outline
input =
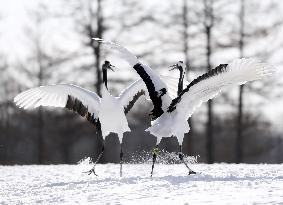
(216, 184)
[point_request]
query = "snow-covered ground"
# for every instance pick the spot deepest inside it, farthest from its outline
(216, 184)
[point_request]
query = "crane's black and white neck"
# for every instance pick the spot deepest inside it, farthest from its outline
(181, 67)
(107, 65)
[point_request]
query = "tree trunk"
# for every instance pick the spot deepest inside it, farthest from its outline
(40, 122)
(66, 154)
(188, 143)
(97, 50)
(239, 139)
(209, 126)
(97, 56)
(98, 33)
(40, 137)
(209, 133)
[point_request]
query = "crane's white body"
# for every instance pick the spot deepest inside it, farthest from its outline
(174, 123)
(111, 115)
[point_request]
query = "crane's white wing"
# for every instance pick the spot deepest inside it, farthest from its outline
(75, 98)
(205, 87)
(157, 89)
(131, 94)
(122, 51)
(208, 85)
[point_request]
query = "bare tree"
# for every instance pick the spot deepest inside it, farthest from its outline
(98, 32)
(208, 26)
(186, 49)
(88, 22)
(248, 34)
(239, 137)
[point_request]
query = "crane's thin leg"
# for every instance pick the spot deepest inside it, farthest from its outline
(181, 157)
(121, 160)
(155, 152)
(97, 160)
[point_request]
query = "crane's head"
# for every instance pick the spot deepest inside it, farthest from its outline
(107, 65)
(180, 66)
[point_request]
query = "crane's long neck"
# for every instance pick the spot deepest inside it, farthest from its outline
(104, 77)
(181, 80)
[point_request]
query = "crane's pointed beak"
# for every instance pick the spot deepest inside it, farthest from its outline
(111, 67)
(173, 67)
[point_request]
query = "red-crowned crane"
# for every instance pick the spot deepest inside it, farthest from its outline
(107, 112)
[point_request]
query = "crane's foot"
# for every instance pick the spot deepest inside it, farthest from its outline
(91, 171)
(192, 172)
(97, 160)
(181, 157)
